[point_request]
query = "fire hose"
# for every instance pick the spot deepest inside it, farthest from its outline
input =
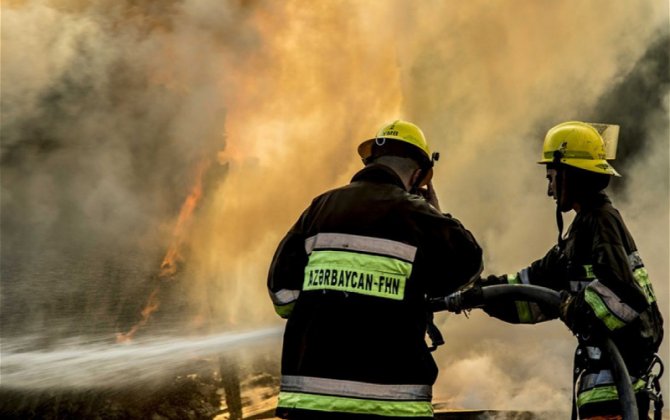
(455, 303)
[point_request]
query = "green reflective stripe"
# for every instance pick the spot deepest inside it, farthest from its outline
(601, 310)
(522, 307)
(328, 403)
(284, 311)
(642, 279)
(604, 393)
(372, 275)
(588, 272)
(613, 303)
(513, 279)
(524, 312)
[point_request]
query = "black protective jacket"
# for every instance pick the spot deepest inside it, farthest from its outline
(600, 266)
(353, 276)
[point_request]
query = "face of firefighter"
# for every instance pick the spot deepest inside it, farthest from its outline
(563, 200)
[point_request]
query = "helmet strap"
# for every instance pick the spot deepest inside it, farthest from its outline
(559, 191)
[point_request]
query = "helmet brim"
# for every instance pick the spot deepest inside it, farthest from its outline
(598, 166)
(365, 148)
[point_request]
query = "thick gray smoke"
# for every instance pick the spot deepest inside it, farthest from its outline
(109, 109)
(104, 123)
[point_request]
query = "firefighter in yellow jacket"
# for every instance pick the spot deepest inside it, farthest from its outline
(603, 281)
(352, 277)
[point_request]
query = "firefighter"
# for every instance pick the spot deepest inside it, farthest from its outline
(352, 277)
(597, 268)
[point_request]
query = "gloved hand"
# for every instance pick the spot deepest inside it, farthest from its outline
(470, 296)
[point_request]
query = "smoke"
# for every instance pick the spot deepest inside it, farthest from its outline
(108, 109)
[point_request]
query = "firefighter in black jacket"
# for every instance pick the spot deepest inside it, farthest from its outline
(352, 277)
(604, 284)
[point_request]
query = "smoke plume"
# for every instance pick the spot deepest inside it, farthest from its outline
(110, 107)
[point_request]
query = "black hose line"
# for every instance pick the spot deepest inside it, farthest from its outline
(522, 291)
(459, 301)
(624, 387)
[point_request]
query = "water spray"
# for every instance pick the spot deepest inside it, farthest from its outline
(96, 364)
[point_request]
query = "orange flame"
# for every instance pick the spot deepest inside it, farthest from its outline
(173, 256)
(169, 265)
(151, 306)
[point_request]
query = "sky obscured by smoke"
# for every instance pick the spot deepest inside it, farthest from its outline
(109, 109)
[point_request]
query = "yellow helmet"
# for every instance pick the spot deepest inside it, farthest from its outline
(400, 130)
(579, 145)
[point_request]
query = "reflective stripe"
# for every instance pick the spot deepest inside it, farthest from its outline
(523, 276)
(607, 306)
(641, 276)
(342, 388)
(372, 275)
(284, 296)
(522, 307)
(355, 405)
(536, 312)
(359, 243)
(588, 272)
(578, 286)
(634, 260)
(528, 312)
(284, 311)
(514, 278)
(603, 377)
(604, 393)
(594, 353)
(284, 301)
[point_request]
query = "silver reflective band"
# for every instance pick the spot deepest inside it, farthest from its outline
(602, 378)
(342, 388)
(634, 260)
(613, 302)
(594, 352)
(523, 274)
(284, 296)
(592, 380)
(578, 286)
(361, 243)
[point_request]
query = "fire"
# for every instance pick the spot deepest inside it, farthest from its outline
(150, 307)
(173, 256)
